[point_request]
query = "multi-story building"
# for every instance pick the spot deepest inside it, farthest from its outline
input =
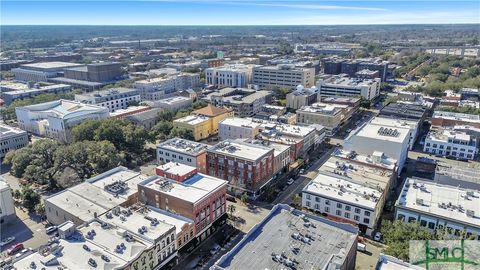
(302, 97)
(440, 207)
(342, 86)
(113, 99)
(162, 87)
(451, 143)
(460, 174)
(337, 66)
(6, 203)
(184, 152)
(246, 166)
(55, 119)
(288, 238)
(302, 139)
(158, 236)
(238, 128)
(95, 72)
(244, 102)
(229, 76)
(175, 171)
(175, 103)
(95, 196)
(372, 139)
(11, 92)
(331, 116)
(147, 118)
(11, 139)
(212, 62)
(281, 155)
(448, 119)
(404, 111)
(412, 125)
(201, 198)
(283, 76)
(204, 122)
(41, 72)
(350, 101)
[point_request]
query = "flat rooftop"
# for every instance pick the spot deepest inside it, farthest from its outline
(338, 187)
(192, 119)
(8, 131)
(244, 150)
(168, 217)
(280, 232)
(108, 240)
(448, 202)
(109, 92)
(457, 116)
(275, 128)
(458, 137)
(81, 207)
(247, 98)
(324, 108)
(240, 122)
(173, 100)
(338, 80)
(51, 65)
(176, 168)
(183, 146)
(193, 189)
(386, 262)
(393, 122)
(133, 221)
(385, 133)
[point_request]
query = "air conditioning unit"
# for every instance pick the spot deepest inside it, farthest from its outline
(470, 213)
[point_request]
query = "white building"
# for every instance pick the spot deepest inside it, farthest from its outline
(113, 99)
(41, 72)
(11, 139)
(355, 186)
(436, 206)
(283, 76)
(373, 140)
(339, 85)
(451, 143)
(229, 76)
(238, 128)
(183, 151)
(172, 103)
(302, 97)
(7, 208)
(11, 91)
(56, 118)
(162, 87)
(399, 123)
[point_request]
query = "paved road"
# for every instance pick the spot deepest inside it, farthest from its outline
(303, 180)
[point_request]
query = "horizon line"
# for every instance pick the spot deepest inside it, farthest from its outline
(375, 24)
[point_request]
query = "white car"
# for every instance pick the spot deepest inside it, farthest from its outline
(290, 181)
(302, 171)
(7, 241)
(378, 237)
(51, 229)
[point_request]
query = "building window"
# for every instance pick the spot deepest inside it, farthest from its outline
(308, 204)
(347, 215)
(339, 205)
(327, 202)
(357, 210)
(308, 196)
(366, 220)
(317, 199)
(411, 219)
(423, 223)
(357, 218)
(367, 213)
(338, 213)
(431, 225)
(327, 209)
(347, 208)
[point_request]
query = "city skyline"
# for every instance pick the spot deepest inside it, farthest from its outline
(218, 12)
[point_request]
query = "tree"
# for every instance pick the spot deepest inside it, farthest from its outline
(166, 115)
(161, 130)
(85, 131)
(296, 199)
(244, 198)
(17, 194)
(231, 209)
(29, 198)
(40, 209)
(42, 167)
(182, 133)
(198, 104)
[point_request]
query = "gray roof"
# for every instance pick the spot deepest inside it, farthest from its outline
(146, 115)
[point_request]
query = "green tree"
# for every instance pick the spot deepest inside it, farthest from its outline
(166, 115)
(42, 167)
(231, 209)
(244, 198)
(29, 198)
(19, 159)
(161, 130)
(182, 133)
(199, 104)
(17, 194)
(40, 209)
(85, 131)
(296, 199)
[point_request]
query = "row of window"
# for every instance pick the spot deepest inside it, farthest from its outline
(339, 213)
(339, 205)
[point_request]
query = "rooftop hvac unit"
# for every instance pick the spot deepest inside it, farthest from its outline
(470, 213)
(419, 201)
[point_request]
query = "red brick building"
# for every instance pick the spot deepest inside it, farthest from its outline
(246, 166)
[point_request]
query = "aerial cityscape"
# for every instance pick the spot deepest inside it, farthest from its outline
(212, 134)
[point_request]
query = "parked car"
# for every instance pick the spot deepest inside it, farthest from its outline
(378, 236)
(214, 249)
(302, 171)
(290, 181)
(51, 229)
(15, 249)
(361, 247)
(7, 241)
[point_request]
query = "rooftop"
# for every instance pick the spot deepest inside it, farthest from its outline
(402, 111)
(458, 137)
(184, 146)
(8, 131)
(346, 81)
(247, 98)
(50, 65)
(385, 133)
(393, 122)
(286, 231)
(193, 190)
(168, 217)
(448, 202)
(65, 109)
(345, 189)
(192, 119)
(20, 88)
(176, 168)
(324, 108)
(386, 262)
(457, 116)
(134, 221)
(173, 100)
(240, 122)
(244, 150)
(210, 111)
(109, 92)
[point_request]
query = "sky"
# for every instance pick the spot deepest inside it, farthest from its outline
(237, 12)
